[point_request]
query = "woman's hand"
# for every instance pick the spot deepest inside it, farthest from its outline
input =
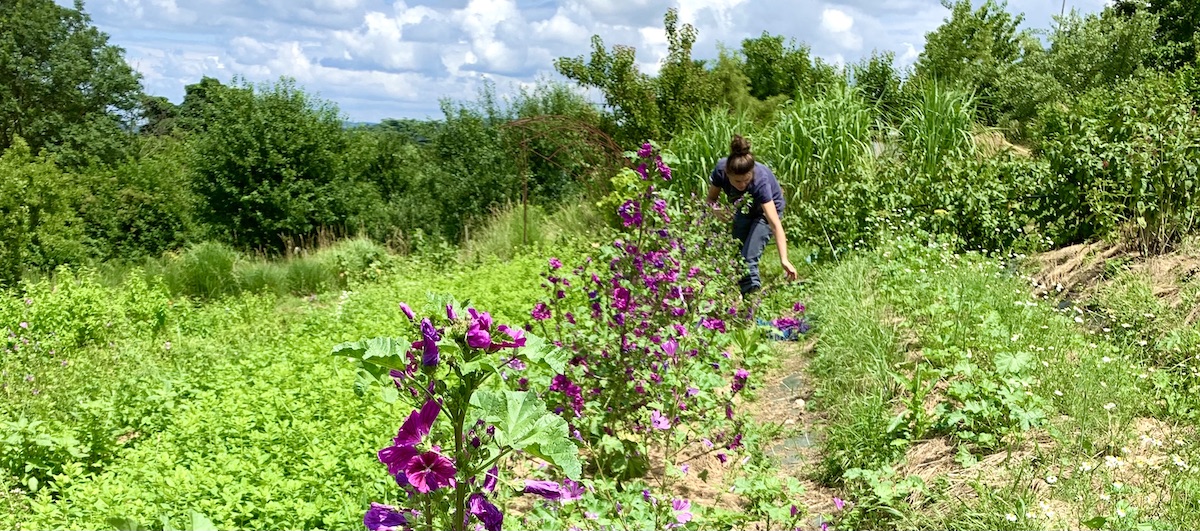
(789, 270)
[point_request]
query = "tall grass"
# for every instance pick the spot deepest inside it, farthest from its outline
(698, 149)
(936, 129)
(815, 143)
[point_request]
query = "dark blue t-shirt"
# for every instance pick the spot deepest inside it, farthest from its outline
(763, 188)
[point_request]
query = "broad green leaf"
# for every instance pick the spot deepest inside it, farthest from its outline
(538, 352)
(1012, 362)
(202, 523)
(382, 351)
(1098, 522)
(523, 423)
(124, 524)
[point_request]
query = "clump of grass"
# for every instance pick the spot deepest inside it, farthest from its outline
(307, 275)
(262, 277)
(204, 270)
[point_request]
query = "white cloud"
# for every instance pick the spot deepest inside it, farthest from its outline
(840, 25)
(393, 58)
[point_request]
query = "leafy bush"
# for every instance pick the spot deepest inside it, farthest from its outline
(1127, 161)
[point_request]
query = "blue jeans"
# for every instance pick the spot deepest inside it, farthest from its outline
(754, 233)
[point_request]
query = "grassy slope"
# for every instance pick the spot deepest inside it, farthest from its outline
(1082, 431)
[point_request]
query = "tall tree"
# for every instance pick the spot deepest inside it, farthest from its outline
(58, 74)
(685, 88)
(1178, 32)
(628, 93)
(971, 49)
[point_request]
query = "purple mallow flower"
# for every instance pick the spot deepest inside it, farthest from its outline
(430, 471)
(486, 512)
(478, 337)
(407, 311)
(555, 263)
(658, 421)
(546, 489)
(428, 343)
(631, 213)
(683, 510)
(663, 169)
(382, 517)
(540, 312)
(646, 150)
(739, 379)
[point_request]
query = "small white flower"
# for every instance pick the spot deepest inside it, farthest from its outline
(1142, 342)
(1078, 319)
(1109, 406)
(1106, 359)
(1086, 466)
(1117, 485)
(1105, 497)
(1010, 517)
(1120, 513)
(1051, 479)
(1057, 392)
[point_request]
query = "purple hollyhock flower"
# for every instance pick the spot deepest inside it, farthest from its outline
(517, 335)
(477, 337)
(430, 471)
(381, 516)
(430, 337)
(407, 312)
(646, 150)
(484, 319)
(418, 424)
(658, 421)
(621, 299)
(670, 346)
(546, 489)
(396, 458)
(555, 263)
(641, 170)
(663, 169)
(683, 510)
(490, 478)
(487, 513)
(540, 312)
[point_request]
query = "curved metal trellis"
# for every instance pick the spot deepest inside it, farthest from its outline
(552, 137)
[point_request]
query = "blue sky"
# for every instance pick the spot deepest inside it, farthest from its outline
(395, 59)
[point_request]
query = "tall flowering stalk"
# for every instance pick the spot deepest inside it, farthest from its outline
(646, 320)
(445, 455)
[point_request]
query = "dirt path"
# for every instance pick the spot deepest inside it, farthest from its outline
(783, 400)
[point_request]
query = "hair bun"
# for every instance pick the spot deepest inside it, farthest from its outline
(740, 147)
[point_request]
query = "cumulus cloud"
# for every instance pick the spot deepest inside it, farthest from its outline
(395, 58)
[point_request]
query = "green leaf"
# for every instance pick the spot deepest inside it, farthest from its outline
(523, 423)
(1098, 522)
(32, 482)
(124, 524)
(537, 352)
(1012, 362)
(391, 353)
(202, 523)
(166, 523)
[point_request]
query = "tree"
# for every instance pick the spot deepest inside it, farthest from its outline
(971, 49)
(878, 81)
(630, 94)
(268, 164)
(775, 69)
(59, 74)
(1178, 34)
(685, 88)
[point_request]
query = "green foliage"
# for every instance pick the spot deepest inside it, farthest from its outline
(878, 81)
(684, 86)
(268, 164)
(820, 148)
(40, 227)
(774, 69)
(971, 49)
(60, 77)
(1127, 161)
(628, 93)
(1176, 36)
(204, 270)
